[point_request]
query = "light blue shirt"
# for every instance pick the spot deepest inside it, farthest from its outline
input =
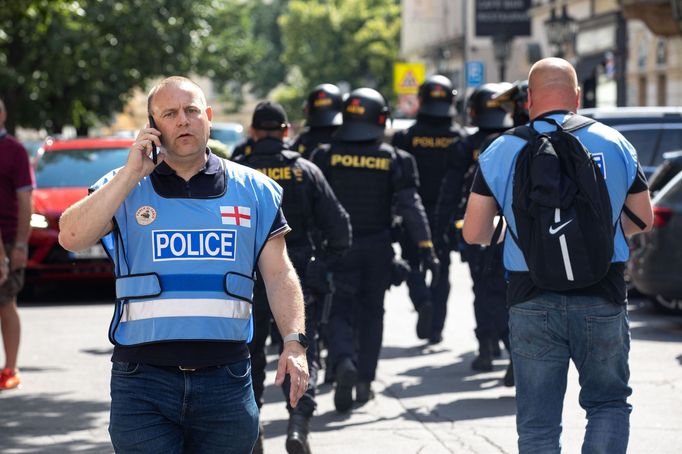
(615, 156)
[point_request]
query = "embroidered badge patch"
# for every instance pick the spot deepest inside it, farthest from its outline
(145, 215)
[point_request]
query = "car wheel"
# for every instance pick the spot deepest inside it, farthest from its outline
(668, 305)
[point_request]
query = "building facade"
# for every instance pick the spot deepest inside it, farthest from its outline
(618, 59)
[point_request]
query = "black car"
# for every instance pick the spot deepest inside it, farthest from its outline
(656, 256)
(653, 131)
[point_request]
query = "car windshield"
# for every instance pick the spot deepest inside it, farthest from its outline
(671, 193)
(644, 141)
(77, 168)
(226, 136)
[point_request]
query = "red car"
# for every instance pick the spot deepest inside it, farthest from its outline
(65, 169)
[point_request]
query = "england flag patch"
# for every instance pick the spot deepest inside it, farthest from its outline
(236, 215)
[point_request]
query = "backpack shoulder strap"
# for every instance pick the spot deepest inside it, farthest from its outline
(576, 122)
(524, 132)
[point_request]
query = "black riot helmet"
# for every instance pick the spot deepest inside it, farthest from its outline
(436, 95)
(364, 116)
(485, 111)
(516, 101)
(324, 105)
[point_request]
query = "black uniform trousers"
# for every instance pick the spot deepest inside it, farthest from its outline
(419, 292)
(356, 322)
(490, 292)
(262, 321)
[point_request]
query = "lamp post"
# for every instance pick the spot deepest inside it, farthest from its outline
(501, 50)
(560, 30)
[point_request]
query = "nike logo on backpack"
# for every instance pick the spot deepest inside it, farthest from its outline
(554, 229)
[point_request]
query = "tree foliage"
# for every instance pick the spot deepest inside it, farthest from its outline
(355, 41)
(77, 61)
(271, 71)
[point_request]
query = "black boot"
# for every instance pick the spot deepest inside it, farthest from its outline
(346, 376)
(509, 375)
(497, 352)
(297, 434)
(484, 361)
(363, 392)
(424, 319)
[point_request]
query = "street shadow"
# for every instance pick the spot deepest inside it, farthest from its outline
(423, 349)
(332, 420)
(454, 377)
(467, 409)
(77, 292)
(27, 421)
(98, 351)
(648, 323)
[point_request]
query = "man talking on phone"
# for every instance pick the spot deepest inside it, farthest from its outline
(186, 236)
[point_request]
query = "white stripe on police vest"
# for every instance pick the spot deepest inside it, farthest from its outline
(206, 307)
(209, 244)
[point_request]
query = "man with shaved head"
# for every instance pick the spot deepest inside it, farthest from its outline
(186, 233)
(587, 325)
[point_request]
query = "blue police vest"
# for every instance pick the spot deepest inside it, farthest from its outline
(615, 156)
(184, 267)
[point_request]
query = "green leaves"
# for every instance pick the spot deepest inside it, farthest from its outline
(78, 61)
(355, 41)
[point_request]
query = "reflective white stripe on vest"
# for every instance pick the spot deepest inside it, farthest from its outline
(186, 308)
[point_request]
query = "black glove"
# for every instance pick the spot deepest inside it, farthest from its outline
(429, 261)
(400, 269)
(316, 276)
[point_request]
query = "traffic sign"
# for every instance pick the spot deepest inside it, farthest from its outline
(475, 73)
(407, 77)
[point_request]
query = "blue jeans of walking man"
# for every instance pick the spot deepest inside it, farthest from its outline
(153, 409)
(547, 332)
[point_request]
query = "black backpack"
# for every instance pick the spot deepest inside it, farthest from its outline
(562, 208)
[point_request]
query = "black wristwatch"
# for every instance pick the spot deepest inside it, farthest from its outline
(298, 337)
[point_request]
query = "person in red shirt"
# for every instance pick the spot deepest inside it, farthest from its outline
(16, 185)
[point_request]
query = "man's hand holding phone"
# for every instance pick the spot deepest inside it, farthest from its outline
(155, 153)
(148, 140)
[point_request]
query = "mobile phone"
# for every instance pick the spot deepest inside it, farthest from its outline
(154, 151)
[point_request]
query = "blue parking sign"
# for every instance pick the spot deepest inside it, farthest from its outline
(475, 73)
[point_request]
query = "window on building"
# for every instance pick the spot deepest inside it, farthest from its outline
(641, 91)
(661, 91)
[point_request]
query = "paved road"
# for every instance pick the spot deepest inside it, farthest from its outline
(427, 399)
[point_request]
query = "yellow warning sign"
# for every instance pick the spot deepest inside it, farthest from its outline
(407, 77)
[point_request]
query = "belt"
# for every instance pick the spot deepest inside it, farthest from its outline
(189, 369)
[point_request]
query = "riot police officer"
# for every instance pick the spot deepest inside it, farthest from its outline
(308, 203)
(515, 100)
(243, 148)
(434, 140)
(323, 117)
(485, 263)
(369, 178)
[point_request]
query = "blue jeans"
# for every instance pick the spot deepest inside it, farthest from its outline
(167, 411)
(548, 331)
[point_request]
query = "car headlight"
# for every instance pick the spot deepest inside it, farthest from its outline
(38, 221)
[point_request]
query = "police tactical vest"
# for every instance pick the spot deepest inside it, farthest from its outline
(184, 267)
(312, 138)
(362, 178)
(430, 146)
(284, 168)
